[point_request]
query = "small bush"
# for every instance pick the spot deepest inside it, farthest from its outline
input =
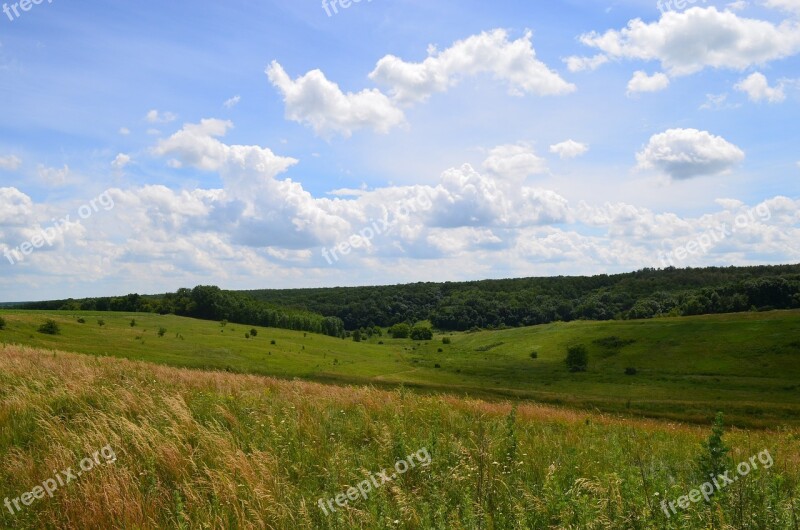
(577, 358)
(133, 323)
(50, 327)
(254, 332)
(81, 320)
(446, 340)
(631, 371)
(2, 323)
(534, 355)
(440, 350)
(400, 331)
(421, 333)
(437, 366)
(162, 332)
(273, 342)
(247, 335)
(101, 322)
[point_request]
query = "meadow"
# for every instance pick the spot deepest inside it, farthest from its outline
(683, 368)
(201, 449)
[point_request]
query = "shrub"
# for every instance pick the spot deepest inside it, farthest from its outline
(631, 371)
(357, 336)
(224, 323)
(254, 332)
(400, 331)
(534, 355)
(247, 335)
(101, 322)
(714, 460)
(446, 340)
(133, 323)
(577, 358)
(421, 333)
(81, 320)
(440, 350)
(50, 327)
(437, 366)
(273, 342)
(162, 332)
(2, 323)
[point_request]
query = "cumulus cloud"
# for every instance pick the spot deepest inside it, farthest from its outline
(52, 176)
(232, 102)
(569, 149)
(687, 153)
(688, 42)
(514, 161)
(154, 116)
(785, 5)
(314, 100)
(514, 62)
(757, 89)
(579, 64)
(121, 161)
(124, 131)
(10, 163)
(641, 82)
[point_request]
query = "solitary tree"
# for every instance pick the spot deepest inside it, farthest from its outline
(577, 358)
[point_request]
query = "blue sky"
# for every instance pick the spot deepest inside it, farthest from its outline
(241, 142)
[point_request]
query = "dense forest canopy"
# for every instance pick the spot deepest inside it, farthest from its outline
(528, 301)
(647, 293)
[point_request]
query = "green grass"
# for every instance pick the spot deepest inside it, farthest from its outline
(200, 449)
(747, 365)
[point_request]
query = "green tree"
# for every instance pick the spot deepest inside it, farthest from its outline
(50, 327)
(577, 358)
(715, 460)
(421, 333)
(357, 336)
(400, 331)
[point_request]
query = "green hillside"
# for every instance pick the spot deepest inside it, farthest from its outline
(686, 368)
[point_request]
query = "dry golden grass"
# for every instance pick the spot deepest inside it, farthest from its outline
(216, 450)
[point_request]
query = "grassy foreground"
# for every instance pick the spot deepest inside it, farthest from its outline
(218, 450)
(687, 369)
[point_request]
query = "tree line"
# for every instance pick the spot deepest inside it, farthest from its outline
(459, 306)
(207, 303)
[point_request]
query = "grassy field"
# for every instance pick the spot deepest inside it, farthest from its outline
(747, 365)
(199, 449)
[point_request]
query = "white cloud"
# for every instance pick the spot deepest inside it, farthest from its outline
(688, 42)
(124, 131)
(121, 161)
(569, 149)
(314, 100)
(757, 89)
(738, 5)
(718, 102)
(579, 64)
(232, 102)
(489, 52)
(514, 161)
(10, 163)
(641, 82)
(785, 5)
(154, 116)
(53, 176)
(687, 153)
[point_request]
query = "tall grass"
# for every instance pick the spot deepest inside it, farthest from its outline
(217, 450)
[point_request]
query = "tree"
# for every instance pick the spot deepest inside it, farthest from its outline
(400, 331)
(357, 336)
(254, 332)
(421, 333)
(714, 460)
(577, 358)
(50, 327)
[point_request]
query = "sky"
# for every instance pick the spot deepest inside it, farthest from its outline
(147, 146)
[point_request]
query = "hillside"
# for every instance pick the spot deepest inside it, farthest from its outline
(687, 368)
(192, 449)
